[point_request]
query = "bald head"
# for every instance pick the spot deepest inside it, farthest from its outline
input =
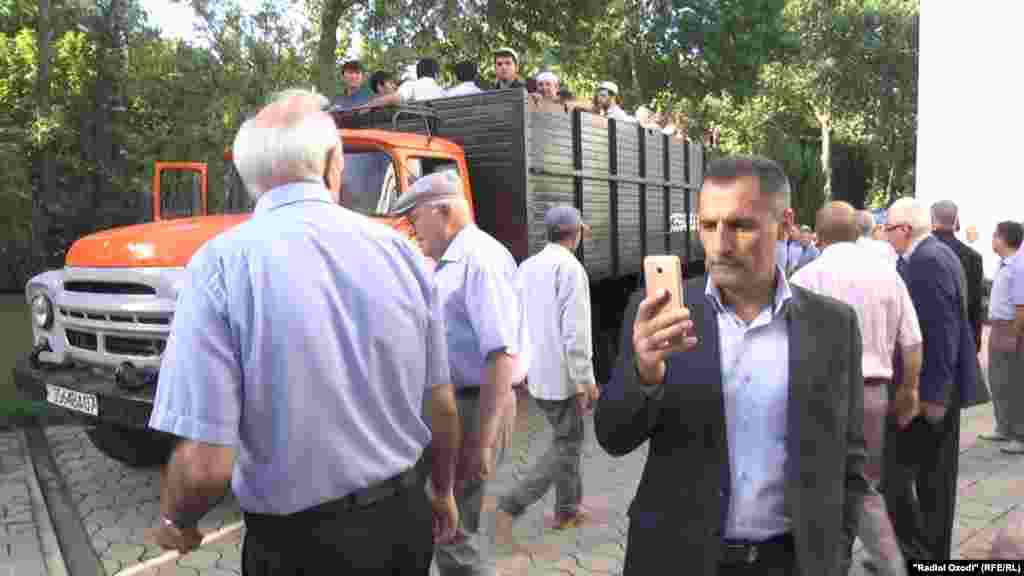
(837, 222)
(290, 140)
(944, 215)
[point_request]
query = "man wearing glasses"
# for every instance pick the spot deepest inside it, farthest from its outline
(921, 459)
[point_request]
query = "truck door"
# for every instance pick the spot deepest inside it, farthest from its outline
(179, 190)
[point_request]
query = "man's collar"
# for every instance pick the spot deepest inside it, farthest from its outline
(291, 193)
(913, 246)
(559, 247)
(457, 247)
(783, 293)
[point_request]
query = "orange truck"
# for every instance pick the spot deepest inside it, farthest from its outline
(100, 323)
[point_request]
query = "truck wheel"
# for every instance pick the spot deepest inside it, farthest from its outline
(132, 446)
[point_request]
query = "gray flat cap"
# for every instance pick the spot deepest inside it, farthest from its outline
(564, 216)
(444, 185)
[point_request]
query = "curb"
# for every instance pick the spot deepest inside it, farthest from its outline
(72, 540)
(52, 555)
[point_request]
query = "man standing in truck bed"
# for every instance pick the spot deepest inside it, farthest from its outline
(487, 346)
(299, 379)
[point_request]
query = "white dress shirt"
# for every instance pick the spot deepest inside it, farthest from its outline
(880, 248)
(851, 274)
(558, 314)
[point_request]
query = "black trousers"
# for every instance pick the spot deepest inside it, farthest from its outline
(919, 484)
(392, 536)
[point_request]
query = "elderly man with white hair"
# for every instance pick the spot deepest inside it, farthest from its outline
(921, 460)
(300, 380)
(488, 349)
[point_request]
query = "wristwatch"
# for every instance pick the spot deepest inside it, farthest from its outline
(170, 524)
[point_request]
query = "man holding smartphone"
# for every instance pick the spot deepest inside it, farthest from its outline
(561, 377)
(755, 418)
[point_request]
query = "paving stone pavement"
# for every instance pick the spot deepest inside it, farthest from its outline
(21, 530)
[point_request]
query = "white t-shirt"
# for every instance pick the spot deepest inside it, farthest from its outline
(463, 89)
(425, 88)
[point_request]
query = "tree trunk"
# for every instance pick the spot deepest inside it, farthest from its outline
(825, 122)
(44, 193)
(326, 61)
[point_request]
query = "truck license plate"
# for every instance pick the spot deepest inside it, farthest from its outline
(72, 400)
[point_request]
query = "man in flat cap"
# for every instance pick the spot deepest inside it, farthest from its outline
(606, 101)
(561, 376)
(488, 350)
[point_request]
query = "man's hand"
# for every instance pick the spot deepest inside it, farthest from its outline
(656, 336)
(446, 518)
(475, 464)
(906, 405)
(587, 399)
(184, 540)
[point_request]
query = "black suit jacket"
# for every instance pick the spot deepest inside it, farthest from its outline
(974, 272)
(679, 511)
(936, 282)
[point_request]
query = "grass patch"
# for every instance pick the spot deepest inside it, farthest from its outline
(15, 340)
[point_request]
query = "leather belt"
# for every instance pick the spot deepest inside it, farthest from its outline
(742, 552)
(354, 500)
(872, 382)
(468, 391)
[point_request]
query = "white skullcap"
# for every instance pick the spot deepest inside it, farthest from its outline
(547, 77)
(609, 86)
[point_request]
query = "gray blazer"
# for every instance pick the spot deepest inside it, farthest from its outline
(678, 513)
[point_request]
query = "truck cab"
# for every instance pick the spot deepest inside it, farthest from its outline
(100, 324)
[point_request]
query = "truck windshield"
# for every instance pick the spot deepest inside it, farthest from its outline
(369, 181)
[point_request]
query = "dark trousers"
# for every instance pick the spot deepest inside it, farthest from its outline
(921, 464)
(392, 536)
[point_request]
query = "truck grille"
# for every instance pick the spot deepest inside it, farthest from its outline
(120, 345)
(94, 287)
(142, 347)
(151, 320)
(83, 340)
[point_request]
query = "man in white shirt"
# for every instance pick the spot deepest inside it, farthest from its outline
(561, 375)
(866, 223)
(465, 73)
(425, 87)
(876, 292)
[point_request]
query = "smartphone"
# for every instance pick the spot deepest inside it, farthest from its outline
(665, 272)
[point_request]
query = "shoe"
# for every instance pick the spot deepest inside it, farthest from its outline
(869, 565)
(504, 536)
(1017, 447)
(995, 437)
(565, 521)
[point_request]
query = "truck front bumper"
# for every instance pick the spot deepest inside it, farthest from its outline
(114, 404)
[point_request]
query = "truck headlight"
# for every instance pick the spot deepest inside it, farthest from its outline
(42, 311)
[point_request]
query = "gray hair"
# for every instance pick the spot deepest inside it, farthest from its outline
(772, 181)
(944, 213)
(912, 212)
(296, 149)
(866, 223)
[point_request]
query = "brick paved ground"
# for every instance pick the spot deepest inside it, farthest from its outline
(118, 504)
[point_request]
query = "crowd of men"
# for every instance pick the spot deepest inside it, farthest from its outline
(545, 89)
(789, 406)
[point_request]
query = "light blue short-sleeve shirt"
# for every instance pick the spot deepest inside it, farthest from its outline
(481, 297)
(306, 338)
